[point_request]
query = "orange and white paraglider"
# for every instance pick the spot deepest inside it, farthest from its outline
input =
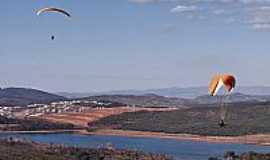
(227, 82)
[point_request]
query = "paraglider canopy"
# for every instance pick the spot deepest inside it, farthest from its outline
(53, 9)
(218, 81)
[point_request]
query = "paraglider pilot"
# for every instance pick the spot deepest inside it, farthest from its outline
(55, 10)
(227, 82)
(221, 123)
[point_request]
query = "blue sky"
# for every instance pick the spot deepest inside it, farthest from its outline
(133, 44)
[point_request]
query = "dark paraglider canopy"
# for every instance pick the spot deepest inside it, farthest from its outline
(53, 10)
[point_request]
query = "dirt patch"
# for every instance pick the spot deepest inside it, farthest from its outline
(82, 119)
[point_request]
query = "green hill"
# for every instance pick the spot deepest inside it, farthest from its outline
(23, 97)
(16, 149)
(241, 120)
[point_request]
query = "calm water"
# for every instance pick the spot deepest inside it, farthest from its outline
(180, 150)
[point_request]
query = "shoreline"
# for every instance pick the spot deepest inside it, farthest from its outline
(41, 132)
(258, 139)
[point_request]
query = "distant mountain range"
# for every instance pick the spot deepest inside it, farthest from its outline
(149, 100)
(152, 100)
(23, 97)
(170, 97)
(191, 92)
(233, 98)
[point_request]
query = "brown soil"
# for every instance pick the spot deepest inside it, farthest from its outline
(82, 119)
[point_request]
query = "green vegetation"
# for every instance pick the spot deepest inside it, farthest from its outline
(152, 100)
(21, 150)
(244, 156)
(16, 149)
(202, 121)
(149, 100)
(10, 124)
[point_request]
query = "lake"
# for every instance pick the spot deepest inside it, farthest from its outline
(180, 150)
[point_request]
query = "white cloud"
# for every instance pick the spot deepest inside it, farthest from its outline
(143, 1)
(260, 17)
(168, 28)
(261, 26)
(203, 1)
(255, 1)
(255, 12)
(181, 8)
(219, 11)
(230, 20)
(153, 1)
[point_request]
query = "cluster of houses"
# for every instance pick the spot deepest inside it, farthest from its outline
(35, 110)
(7, 111)
(54, 107)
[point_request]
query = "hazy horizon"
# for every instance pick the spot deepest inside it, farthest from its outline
(236, 90)
(133, 44)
